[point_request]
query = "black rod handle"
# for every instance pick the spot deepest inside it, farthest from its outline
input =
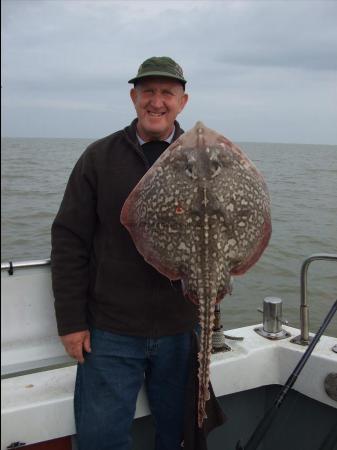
(270, 415)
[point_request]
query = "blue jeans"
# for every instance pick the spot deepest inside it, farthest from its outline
(108, 383)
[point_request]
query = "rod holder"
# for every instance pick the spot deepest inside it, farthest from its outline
(272, 320)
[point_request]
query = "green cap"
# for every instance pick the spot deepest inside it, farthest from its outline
(159, 66)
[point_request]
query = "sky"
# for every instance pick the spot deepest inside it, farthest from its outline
(261, 71)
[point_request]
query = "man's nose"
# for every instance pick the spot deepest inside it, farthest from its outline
(157, 101)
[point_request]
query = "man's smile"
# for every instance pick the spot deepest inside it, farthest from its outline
(155, 114)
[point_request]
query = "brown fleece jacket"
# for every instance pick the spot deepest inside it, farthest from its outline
(99, 279)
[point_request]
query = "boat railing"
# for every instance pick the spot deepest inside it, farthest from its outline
(304, 338)
(11, 265)
(29, 336)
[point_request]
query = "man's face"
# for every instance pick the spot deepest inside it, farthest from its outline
(157, 101)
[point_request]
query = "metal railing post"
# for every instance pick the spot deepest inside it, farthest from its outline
(304, 337)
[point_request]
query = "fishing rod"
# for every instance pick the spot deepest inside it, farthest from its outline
(267, 420)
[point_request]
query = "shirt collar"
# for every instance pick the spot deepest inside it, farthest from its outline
(168, 139)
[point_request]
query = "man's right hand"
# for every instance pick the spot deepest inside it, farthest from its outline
(75, 343)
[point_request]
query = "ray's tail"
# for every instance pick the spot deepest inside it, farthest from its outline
(206, 315)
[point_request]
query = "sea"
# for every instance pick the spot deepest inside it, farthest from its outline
(302, 182)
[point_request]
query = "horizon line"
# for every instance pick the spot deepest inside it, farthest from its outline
(93, 139)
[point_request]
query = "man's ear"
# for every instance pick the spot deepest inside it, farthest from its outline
(133, 95)
(184, 100)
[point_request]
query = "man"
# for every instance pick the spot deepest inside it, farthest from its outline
(116, 315)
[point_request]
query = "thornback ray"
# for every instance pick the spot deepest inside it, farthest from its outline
(201, 214)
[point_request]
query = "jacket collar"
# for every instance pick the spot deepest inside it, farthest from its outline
(131, 132)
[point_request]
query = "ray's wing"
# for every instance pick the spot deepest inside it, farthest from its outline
(155, 219)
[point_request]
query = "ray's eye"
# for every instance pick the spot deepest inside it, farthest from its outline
(215, 168)
(189, 169)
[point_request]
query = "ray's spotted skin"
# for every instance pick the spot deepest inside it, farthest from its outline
(200, 214)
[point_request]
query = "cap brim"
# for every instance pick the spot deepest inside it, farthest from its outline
(157, 74)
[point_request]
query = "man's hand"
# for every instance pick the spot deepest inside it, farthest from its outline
(74, 343)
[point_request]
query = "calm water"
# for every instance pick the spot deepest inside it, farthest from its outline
(302, 181)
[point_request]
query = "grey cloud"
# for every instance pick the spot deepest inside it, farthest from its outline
(247, 63)
(65, 83)
(279, 55)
